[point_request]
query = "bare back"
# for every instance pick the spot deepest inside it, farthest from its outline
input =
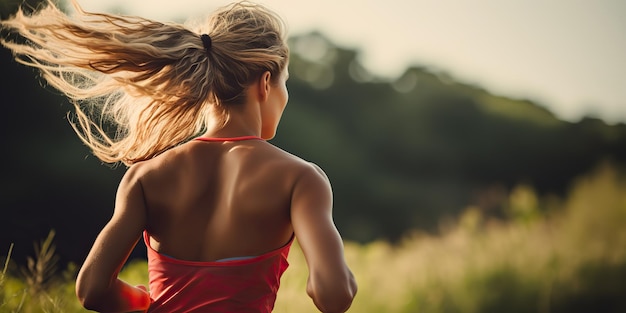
(212, 200)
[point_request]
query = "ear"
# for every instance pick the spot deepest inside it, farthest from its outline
(265, 85)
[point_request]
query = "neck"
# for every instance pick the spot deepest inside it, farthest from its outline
(240, 121)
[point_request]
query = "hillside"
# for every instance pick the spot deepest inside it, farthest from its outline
(406, 153)
(401, 155)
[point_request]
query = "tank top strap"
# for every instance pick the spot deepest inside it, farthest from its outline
(222, 139)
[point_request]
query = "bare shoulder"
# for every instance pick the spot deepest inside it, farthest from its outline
(159, 164)
(302, 166)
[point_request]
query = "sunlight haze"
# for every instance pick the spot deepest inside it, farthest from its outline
(569, 55)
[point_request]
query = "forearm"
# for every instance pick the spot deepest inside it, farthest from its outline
(332, 295)
(117, 297)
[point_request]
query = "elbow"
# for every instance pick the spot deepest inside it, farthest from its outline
(86, 298)
(333, 303)
(88, 304)
(336, 304)
(335, 299)
(88, 295)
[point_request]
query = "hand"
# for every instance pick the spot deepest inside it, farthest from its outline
(143, 288)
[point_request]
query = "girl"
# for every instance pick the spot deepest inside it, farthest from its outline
(189, 110)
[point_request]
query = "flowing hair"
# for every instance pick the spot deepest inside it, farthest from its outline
(140, 87)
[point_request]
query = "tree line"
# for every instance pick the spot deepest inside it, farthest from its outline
(402, 154)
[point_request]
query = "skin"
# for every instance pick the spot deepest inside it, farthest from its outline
(189, 199)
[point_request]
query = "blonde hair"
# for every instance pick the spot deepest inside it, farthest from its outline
(140, 87)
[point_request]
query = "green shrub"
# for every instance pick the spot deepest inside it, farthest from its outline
(570, 260)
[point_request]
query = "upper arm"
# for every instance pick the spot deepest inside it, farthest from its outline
(311, 216)
(331, 283)
(117, 239)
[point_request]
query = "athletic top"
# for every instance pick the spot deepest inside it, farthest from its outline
(248, 285)
(240, 138)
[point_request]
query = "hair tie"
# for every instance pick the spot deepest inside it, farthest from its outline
(206, 41)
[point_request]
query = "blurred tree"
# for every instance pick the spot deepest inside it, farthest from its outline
(9, 7)
(401, 154)
(405, 153)
(49, 180)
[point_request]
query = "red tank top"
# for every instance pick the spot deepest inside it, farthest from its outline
(248, 285)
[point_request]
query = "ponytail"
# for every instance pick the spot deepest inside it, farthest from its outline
(140, 87)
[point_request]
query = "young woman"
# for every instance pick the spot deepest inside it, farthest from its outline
(189, 110)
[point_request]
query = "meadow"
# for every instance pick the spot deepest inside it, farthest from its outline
(548, 255)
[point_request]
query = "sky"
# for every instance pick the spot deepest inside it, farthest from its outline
(567, 55)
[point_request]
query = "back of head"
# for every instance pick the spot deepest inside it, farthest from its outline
(153, 83)
(247, 40)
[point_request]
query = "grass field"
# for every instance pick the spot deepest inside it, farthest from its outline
(565, 255)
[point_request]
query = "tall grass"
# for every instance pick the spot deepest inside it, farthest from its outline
(549, 256)
(38, 286)
(570, 259)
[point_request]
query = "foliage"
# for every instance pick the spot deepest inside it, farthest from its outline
(466, 184)
(40, 269)
(403, 154)
(38, 287)
(572, 259)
